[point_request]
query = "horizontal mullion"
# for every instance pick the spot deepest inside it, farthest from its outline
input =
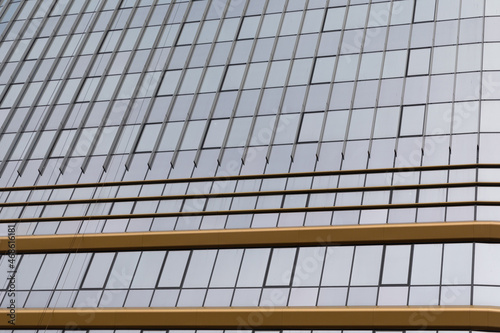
(251, 194)
(362, 318)
(258, 176)
(438, 232)
(254, 211)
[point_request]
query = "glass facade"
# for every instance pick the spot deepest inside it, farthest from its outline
(127, 116)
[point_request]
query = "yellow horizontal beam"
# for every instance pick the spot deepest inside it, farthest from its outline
(363, 318)
(239, 238)
(249, 194)
(258, 176)
(252, 211)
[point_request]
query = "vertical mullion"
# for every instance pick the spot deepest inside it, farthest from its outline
(117, 90)
(45, 81)
(149, 107)
(96, 93)
(67, 114)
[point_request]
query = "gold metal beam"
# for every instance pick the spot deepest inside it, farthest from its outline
(252, 211)
(258, 176)
(276, 237)
(362, 318)
(249, 194)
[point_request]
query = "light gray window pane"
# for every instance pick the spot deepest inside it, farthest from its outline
(412, 120)
(193, 134)
(233, 77)
(300, 71)
(356, 16)
(148, 269)
(447, 9)
(200, 268)
(469, 57)
(280, 269)
(457, 264)
(490, 56)
(51, 268)
(74, 270)
(419, 61)
(291, 23)
(443, 59)
(334, 18)
(28, 269)
(98, 270)
(173, 270)
(426, 268)
(396, 264)
(311, 127)
(323, 70)
(123, 270)
(269, 25)
(226, 268)
(386, 123)
(336, 125)
(253, 267)
(313, 21)
(308, 267)
(366, 266)
(361, 124)
(346, 69)
(370, 66)
(169, 82)
(486, 268)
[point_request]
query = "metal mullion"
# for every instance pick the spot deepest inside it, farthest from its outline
(287, 80)
(9, 83)
(121, 127)
(115, 94)
(96, 93)
(431, 57)
(450, 144)
(198, 87)
(308, 88)
(44, 85)
(244, 76)
(481, 80)
(36, 139)
(219, 88)
(356, 78)
(177, 89)
(403, 86)
(262, 88)
(66, 116)
(155, 92)
(330, 92)
(7, 29)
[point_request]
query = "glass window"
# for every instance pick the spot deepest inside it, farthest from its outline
(396, 264)
(323, 70)
(98, 270)
(200, 268)
(426, 268)
(173, 270)
(366, 266)
(226, 268)
(280, 269)
(419, 61)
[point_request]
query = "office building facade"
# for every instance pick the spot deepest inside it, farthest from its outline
(257, 164)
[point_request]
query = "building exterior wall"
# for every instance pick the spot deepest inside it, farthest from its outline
(156, 116)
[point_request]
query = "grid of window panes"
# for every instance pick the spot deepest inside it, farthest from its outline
(383, 275)
(94, 91)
